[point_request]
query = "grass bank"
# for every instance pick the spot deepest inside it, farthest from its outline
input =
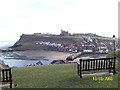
(58, 76)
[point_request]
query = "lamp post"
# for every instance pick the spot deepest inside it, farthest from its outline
(114, 44)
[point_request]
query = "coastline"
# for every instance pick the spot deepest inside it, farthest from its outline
(36, 57)
(39, 54)
(32, 57)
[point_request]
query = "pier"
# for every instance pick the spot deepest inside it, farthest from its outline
(74, 56)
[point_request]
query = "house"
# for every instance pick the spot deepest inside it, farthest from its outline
(88, 48)
(39, 63)
(102, 48)
(58, 62)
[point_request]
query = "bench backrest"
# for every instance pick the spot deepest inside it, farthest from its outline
(6, 76)
(97, 64)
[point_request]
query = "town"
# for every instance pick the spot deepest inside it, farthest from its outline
(66, 42)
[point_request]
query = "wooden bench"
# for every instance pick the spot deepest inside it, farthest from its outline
(96, 64)
(6, 76)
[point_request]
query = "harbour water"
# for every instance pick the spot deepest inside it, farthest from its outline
(25, 58)
(23, 61)
(28, 58)
(5, 57)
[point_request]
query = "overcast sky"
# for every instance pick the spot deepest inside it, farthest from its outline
(19, 17)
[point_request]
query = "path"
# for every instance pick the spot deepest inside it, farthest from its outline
(5, 85)
(98, 74)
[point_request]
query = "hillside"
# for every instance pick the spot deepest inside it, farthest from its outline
(61, 76)
(58, 76)
(33, 41)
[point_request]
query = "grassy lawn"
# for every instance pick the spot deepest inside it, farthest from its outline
(58, 76)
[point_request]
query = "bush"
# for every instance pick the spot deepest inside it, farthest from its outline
(117, 54)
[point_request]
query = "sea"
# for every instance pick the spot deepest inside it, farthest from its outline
(5, 57)
(6, 44)
(8, 57)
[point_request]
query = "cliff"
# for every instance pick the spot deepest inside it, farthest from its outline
(28, 42)
(50, 42)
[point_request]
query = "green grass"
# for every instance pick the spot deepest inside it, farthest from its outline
(117, 55)
(58, 76)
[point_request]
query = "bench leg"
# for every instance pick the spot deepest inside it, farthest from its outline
(11, 84)
(80, 74)
(78, 70)
(113, 71)
(109, 70)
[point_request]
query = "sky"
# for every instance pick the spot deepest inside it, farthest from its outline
(19, 17)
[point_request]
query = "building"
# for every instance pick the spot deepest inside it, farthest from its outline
(78, 34)
(102, 48)
(64, 33)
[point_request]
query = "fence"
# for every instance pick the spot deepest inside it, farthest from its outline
(96, 64)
